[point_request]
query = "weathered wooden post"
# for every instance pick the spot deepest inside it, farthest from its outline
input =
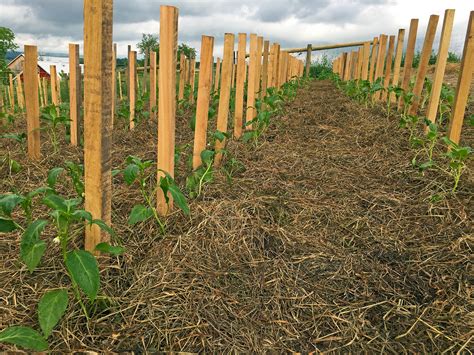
(11, 91)
(54, 91)
(380, 62)
(74, 93)
(167, 100)
(224, 97)
(441, 60)
(373, 57)
(259, 66)
(30, 75)
(153, 73)
(239, 86)
(464, 83)
(45, 91)
(19, 93)
(217, 77)
(132, 81)
(423, 65)
(97, 115)
(40, 91)
(398, 61)
(203, 96)
(119, 78)
(145, 72)
(192, 79)
(410, 52)
(182, 76)
(388, 67)
(266, 46)
(276, 67)
(251, 82)
(309, 49)
(114, 81)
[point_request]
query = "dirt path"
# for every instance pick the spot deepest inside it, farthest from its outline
(328, 240)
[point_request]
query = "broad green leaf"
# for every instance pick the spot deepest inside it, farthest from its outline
(84, 271)
(220, 136)
(7, 225)
(32, 247)
(9, 201)
(102, 225)
(55, 202)
(130, 173)
(51, 308)
(53, 176)
(207, 156)
(14, 166)
(84, 215)
(25, 337)
(110, 249)
(139, 213)
(167, 184)
(38, 191)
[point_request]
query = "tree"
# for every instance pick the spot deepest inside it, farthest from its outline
(188, 51)
(149, 43)
(7, 43)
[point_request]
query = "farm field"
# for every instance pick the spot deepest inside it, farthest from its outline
(328, 239)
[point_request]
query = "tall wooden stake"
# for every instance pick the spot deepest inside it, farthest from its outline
(74, 93)
(132, 82)
(224, 98)
(464, 83)
(167, 100)
(203, 96)
(441, 60)
(398, 61)
(153, 73)
(423, 65)
(388, 67)
(266, 46)
(97, 115)
(410, 52)
(373, 57)
(251, 82)
(30, 75)
(239, 86)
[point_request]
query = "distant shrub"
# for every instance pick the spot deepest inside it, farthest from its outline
(321, 68)
(453, 58)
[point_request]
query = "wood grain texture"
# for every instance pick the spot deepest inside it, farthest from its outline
(239, 85)
(97, 116)
(75, 96)
(464, 83)
(153, 98)
(167, 100)
(224, 97)
(30, 75)
(441, 61)
(398, 61)
(409, 54)
(251, 82)
(203, 97)
(423, 65)
(132, 83)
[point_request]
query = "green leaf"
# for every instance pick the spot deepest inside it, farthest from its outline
(110, 249)
(207, 156)
(51, 308)
(53, 176)
(55, 202)
(14, 166)
(130, 173)
(25, 337)
(139, 213)
(7, 225)
(84, 271)
(220, 136)
(32, 247)
(83, 215)
(115, 172)
(168, 184)
(102, 225)
(38, 191)
(8, 202)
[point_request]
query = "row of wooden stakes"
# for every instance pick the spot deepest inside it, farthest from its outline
(268, 66)
(373, 61)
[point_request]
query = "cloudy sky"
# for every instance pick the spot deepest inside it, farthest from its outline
(52, 24)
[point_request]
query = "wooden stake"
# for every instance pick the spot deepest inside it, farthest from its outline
(259, 66)
(11, 92)
(239, 87)
(145, 73)
(360, 55)
(309, 49)
(182, 76)
(410, 52)
(464, 83)
(388, 67)
(54, 92)
(264, 71)
(423, 65)
(276, 67)
(167, 100)
(218, 75)
(224, 97)
(74, 93)
(153, 98)
(45, 91)
(373, 57)
(97, 116)
(120, 85)
(441, 60)
(40, 91)
(30, 72)
(397, 62)
(252, 81)
(380, 62)
(132, 81)
(114, 81)
(19, 92)
(192, 79)
(203, 97)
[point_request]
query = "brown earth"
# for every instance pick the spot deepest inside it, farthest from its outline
(328, 241)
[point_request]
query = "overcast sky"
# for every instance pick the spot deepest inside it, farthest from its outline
(52, 24)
